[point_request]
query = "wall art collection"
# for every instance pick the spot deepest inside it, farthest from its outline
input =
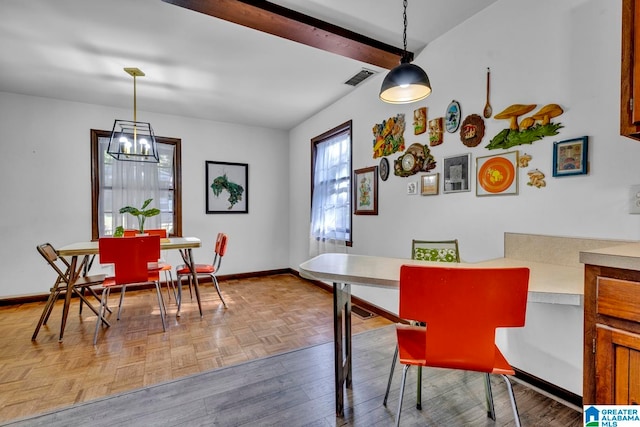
(492, 175)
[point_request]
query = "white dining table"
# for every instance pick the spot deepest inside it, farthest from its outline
(87, 249)
(548, 283)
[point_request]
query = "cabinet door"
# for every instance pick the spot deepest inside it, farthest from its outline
(617, 367)
(630, 70)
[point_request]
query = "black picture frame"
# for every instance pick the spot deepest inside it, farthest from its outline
(226, 187)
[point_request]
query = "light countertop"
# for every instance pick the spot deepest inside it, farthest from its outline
(626, 256)
(548, 283)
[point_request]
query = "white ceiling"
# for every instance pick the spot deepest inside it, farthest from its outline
(197, 65)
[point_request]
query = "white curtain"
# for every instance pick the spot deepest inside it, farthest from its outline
(331, 208)
(133, 183)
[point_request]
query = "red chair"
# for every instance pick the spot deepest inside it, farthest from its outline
(204, 270)
(161, 265)
(462, 307)
(130, 256)
(425, 250)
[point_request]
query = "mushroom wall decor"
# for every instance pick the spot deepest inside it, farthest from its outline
(536, 179)
(530, 129)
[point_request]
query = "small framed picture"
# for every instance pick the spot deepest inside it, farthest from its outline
(497, 175)
(456, 173)
(412, 188)
(365, 191)
(570, 157)
(429, 184)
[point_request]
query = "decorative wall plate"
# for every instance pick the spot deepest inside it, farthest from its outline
(497, 175)
(452, 118)
(384, 169)
(472, 130)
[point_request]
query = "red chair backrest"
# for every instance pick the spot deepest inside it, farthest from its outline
(221, 244)
(153, 232)
(130, 255)
(462, 308)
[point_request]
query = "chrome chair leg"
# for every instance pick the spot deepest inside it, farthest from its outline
(215, 282)
(168, 276)
(393, 367)
(122, 291)
(512, 397)
(419, 390)
(101, 311)
(404, 379)
(161, 305)
(491, 411)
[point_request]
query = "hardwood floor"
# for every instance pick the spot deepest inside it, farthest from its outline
(296, 389)
(265, 316)
(138, 375)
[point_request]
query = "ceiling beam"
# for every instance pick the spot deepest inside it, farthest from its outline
(289, 24)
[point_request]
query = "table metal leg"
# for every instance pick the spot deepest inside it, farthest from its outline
(342, 343)
(73, 277)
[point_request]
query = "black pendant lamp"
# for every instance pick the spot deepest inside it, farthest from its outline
(407, 82)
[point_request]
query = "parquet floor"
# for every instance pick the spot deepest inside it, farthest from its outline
(265, 316)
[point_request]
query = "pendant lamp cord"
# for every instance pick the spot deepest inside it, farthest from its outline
(405, 56)
(134, 98)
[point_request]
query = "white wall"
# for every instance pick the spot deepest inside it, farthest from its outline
(45, 183)
(539, 52)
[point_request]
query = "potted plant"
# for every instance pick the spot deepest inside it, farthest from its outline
(142, 214)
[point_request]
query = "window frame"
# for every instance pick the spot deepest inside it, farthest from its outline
(346, 127)
(96, 134)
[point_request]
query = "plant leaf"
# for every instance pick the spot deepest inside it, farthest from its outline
(131, 210)
(119, 231)
(150, 212)
(145, 204)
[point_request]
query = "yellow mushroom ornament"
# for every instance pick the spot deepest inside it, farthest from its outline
(530, 129)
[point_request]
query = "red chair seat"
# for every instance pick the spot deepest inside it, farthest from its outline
(411, 348)
(111, 280)
(200, 269)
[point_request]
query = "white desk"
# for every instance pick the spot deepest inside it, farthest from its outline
(86, 249)
(547, 284)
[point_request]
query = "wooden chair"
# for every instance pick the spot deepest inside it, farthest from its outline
(62, 268)
(130, 257)
(204, 270)
(462, 307)
(426, 250)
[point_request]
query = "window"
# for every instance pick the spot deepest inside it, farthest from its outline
(331, 186)
(169, 180)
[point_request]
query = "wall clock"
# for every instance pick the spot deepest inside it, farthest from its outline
(452, 118)
(384, 169)
(417, 158)
(408, 162)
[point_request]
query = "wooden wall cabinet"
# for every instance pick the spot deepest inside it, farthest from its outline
(630, 70)
(611, 336)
